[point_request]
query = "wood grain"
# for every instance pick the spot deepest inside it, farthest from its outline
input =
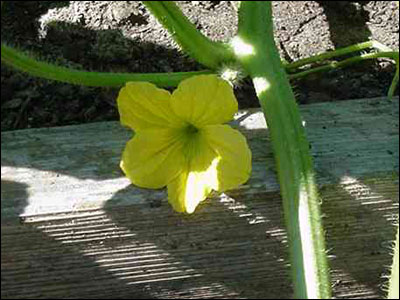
(73, 226)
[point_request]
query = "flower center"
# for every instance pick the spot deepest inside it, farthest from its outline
(191, 141)
(191, 129)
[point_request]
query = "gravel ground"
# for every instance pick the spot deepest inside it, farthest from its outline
(121, 36)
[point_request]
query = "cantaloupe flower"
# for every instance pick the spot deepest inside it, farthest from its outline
(180, 142)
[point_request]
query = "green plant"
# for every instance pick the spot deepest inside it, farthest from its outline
(393, 292)
(251, 52)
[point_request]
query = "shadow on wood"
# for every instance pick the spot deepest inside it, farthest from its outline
(73, 226)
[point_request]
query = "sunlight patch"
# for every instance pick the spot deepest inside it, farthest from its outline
(241, 48)
(261, 85)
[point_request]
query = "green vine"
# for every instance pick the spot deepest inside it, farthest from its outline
(210, 54)
(394, 277)
(45, 70)
(256, 50)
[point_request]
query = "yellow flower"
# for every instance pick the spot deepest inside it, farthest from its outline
(179, 141)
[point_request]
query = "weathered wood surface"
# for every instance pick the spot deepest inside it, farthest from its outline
(73, 226)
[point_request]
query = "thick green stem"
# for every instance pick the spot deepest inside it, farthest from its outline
(23, 62)
(394, 278)
(256, 50)
(209, 53)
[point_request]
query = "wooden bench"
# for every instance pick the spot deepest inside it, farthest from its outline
(74, 227)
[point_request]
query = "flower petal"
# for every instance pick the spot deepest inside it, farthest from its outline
(197, 180)
(142, 105)
(153, 157)
(204, 100)
(217, 159)
(188, 190)
(234, 166)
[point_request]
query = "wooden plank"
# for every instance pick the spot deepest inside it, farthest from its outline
(73, 226)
